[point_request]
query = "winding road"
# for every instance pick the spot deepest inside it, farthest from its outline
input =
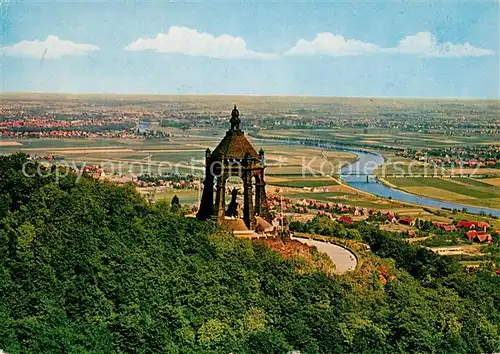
(345, 260)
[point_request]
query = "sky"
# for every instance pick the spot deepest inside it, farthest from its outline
(308, 48)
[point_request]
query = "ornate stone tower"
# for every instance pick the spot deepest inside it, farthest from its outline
(234, 156)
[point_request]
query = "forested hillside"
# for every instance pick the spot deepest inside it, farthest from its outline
(89, 267)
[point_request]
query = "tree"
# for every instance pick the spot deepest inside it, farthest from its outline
(90, 267)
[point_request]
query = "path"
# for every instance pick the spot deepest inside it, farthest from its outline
(345, 260)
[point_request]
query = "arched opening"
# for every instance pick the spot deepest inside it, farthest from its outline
(234, 197)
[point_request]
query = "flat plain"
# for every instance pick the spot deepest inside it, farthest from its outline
(191, 124)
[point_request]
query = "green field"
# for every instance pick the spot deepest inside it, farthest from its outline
(184, 157)
(377, 138)
(476, 183)
(324, 196)
(357, 201)
(185, 196)
(380, 125)
(288, 171)
(462, 190)
(301, 183)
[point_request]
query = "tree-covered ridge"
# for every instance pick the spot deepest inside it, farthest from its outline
(89, 267)
(441, 278)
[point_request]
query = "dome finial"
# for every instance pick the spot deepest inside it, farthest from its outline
(235, 119)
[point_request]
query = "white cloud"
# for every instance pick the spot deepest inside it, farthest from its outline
(331, 44)
(189, 41)
(51, 47)
(427, 44)
(422, 43)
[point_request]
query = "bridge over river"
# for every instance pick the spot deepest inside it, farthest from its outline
(360, 175)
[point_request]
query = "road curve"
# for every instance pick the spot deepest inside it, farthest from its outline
(345, 260)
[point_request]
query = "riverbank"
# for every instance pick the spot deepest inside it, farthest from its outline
(360, 176)
(462, 191)
(387, 183)
(390, 191)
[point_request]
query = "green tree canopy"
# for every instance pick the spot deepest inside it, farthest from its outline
(91, 267)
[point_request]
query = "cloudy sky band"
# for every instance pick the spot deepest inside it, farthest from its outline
(189, 41)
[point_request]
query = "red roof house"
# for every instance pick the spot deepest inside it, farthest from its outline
(473, 224)
(471, 235)
(345, 219)
(466, 224)
(479, 236)
(391, 218)
(482, 225)
(407, 221)
(482, 236)
(449, 228)
(444, 226)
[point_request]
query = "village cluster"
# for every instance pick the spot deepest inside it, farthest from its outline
(42, 118)
(468, 157)
(476, 231)
(168, 180)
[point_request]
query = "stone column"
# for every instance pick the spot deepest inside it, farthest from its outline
(220, 197)
(258, 191)
(248, 211)
(264, 207)
(207, 199)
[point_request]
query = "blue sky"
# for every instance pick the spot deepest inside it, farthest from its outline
(378, 49)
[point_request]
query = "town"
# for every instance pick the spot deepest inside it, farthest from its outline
(467, 157)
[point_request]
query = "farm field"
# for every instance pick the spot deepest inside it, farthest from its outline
(191, 124)
(281, 170)
(185, 196)
(397, 165)
(492, 181)
(461, 190)
(387, 138)
(180, 154)
(184, 152)
(475, 172)
(303, 182)
(362, 201)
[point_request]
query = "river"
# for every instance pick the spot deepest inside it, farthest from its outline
(365, 180)
(360, 175)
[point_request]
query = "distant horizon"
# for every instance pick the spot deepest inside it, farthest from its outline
(251, 95)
